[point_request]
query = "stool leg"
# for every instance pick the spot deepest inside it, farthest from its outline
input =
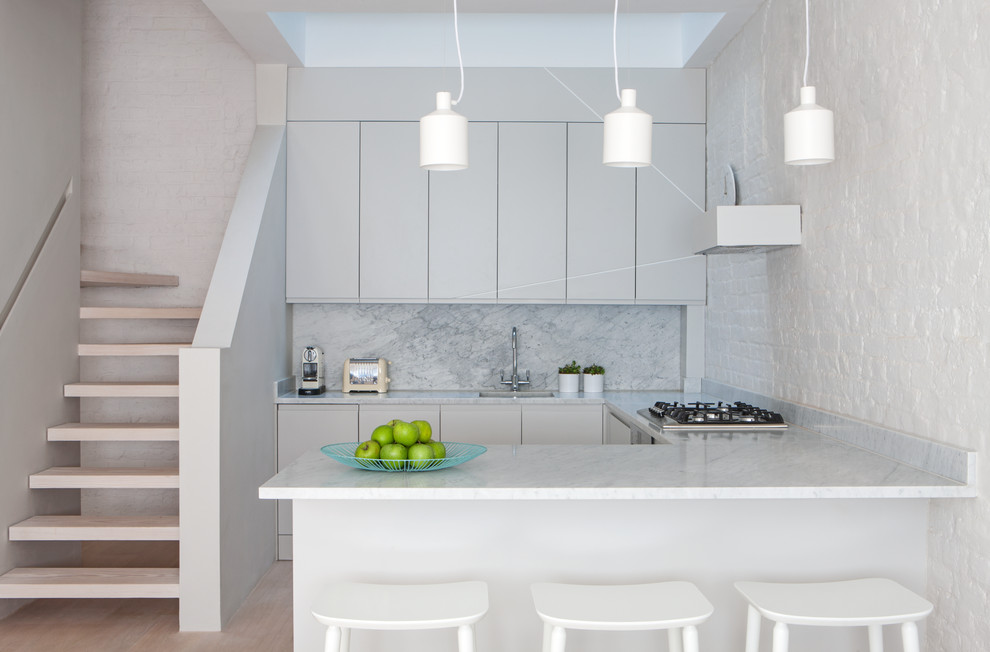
(465, 638)
(674, 639)
(547, 628)
(333, 639)
(876, 637)
(345, 639)
(690, 639)
(909, 636)
(753, 621)
(781, 637)
(558, 638)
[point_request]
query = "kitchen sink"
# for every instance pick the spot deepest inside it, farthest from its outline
(508, 393)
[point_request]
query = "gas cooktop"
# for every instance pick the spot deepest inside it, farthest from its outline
(712, 416)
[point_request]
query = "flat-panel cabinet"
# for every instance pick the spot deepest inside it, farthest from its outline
(669, 198)
(601, 222)
(321, 228)
(616, 432)
(464, 224)
(532, 212)
(303, 429)
(566, 424)
(394, 214)
(482, 424)
(372, 416)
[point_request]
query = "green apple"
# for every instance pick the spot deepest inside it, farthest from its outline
(439, 450)
(405, 433)
(368, 450)
(395, 454)
(383, 435)
(425, 431)
(420, 453)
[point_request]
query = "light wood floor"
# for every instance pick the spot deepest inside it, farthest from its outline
(263, 624)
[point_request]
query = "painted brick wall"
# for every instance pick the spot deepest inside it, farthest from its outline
(168, 113)
(883, 314)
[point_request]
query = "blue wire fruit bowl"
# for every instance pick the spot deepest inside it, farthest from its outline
(456, 454)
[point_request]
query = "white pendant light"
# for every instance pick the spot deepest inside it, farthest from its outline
(443, 134)
(628, 141)
(809, 130)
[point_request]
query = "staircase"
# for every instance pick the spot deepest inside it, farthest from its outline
(108, 582)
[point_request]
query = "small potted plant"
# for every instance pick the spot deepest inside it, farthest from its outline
(568, 378)
(594, 379)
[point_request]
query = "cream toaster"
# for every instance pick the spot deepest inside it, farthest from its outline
(366, 375)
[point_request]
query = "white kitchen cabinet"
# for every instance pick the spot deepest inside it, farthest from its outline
(372, 416)
(669, 198)
(601, 222)
(482, 424)
(321, 229)
(305, 428)
(532, 219)
(616, 432)
(562, 424)
(464, 224)
(394, 217)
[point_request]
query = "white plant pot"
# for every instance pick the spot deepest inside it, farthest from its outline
(568, 383)
(594, 383)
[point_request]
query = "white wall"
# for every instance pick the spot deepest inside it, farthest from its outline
(39, 154)
(168, 114)
(882, 313)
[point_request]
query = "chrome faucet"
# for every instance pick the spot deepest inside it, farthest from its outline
(514, 381)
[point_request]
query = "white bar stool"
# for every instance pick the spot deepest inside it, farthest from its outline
(348, 605)
(677, 607)
(872, 602)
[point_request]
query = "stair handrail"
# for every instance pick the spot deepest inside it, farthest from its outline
(33, 260)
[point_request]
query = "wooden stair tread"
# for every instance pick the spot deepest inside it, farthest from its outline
(96, 528)
(94, 278)
(114, 432)
(120, 312)
(135, 349)
(123, 390)
(75, 477)
(90, 583)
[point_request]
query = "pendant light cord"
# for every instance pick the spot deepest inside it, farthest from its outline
(807, 39)
(615, 55)
(460, 62)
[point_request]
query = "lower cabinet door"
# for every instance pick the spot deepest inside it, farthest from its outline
(372, 416)
(482, 424)
(565, 424)
(305, 428)
(616, 432)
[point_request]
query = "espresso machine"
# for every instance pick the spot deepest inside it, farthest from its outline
(312, 372)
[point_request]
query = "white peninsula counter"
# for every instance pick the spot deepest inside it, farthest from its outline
(790, 505)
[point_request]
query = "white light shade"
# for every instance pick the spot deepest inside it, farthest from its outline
(443, 137)
(628, 134)
(809, 132)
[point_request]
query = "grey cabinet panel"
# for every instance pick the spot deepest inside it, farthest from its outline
(532, 221)
(321, 231)
(305, 428)
(464, 223)
(616, 432)
(601, 222)
(570, 424)
(482, 424)
(394, 220)
(667, 271)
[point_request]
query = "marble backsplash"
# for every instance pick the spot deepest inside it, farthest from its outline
(440, 346)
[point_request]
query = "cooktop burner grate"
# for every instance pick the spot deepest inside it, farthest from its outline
(723, 416)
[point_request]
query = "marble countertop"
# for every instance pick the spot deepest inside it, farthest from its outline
(795, 463)
(639, 398)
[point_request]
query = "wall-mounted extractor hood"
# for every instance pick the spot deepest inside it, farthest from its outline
(735, 229)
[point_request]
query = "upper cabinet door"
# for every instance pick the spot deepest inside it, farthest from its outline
(321, 229)
(464, 224)
(394, 219)
(670, 196)
(532, 220)
(601, 222)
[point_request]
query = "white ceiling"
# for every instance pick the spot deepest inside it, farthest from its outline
(561, 33)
